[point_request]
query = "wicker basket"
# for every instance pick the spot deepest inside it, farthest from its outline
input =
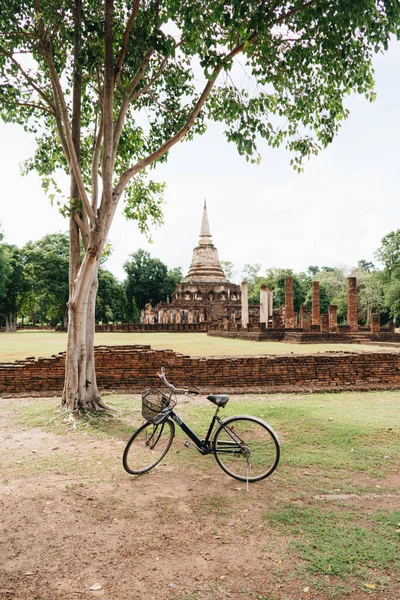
(153, 402)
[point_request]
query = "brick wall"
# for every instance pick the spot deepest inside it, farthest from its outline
(153, 327)
(134, 368)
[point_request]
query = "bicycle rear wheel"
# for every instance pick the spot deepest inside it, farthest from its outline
(148, 446)
(246, 448)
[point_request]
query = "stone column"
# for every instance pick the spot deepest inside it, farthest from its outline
(375, 323)
(305, 318)
(332, 318)
(245, 305)
(316, 304)
(391, 327)
(352, 316)
(289, 303)
(324, 323)
(263, 306)
(270, 304)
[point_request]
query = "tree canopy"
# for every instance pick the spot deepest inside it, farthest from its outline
(46, 268)
(15, 286)
(148, 280)
(111, 302)
(305, 56)
(5, 268)
(389, 254)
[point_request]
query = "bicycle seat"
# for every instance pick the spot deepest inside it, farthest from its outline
(220, 400)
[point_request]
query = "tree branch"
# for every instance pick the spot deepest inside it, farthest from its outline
(73, 162)
(142, 164)
(146, 88)
(294, 11)
(108, 107)
(125, 40)
(58, 95)
(60, 130)
(82, 227)
(95, 164)
(31, 105)
(98, 138)
(28, 78)
(127, 100)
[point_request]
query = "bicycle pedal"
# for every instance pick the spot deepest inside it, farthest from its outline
(187, 443)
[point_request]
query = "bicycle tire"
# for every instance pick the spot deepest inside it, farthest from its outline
(148, 446)
(241, 436)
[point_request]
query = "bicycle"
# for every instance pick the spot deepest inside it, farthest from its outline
(245, 447)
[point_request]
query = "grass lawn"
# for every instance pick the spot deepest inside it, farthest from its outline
(325, 525)
(20, 345)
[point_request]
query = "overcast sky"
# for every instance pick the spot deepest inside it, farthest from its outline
(335, 213)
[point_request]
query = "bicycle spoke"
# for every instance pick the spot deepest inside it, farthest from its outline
(246, 448)
(147, 447)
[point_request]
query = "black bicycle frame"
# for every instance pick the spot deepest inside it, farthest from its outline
(203, 446)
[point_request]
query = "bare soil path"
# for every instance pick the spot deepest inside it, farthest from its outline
(74, 525)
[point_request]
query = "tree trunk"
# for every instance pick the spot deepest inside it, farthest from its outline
(80, 387)
(65, 319)
(11, 321)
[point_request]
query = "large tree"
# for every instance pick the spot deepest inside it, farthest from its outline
(389, 254)
(370, 293)
(111, 303)
(110, 86)
(46, 267)
(5, 268)
(13, 286)
(148, 279)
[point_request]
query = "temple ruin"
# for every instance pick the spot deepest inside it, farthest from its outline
(205, 295)
(283, 323)
(205, 300)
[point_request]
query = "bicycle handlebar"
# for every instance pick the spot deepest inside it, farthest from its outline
(172, 387)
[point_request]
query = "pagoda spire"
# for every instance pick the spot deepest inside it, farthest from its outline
(205, 226)
(205, 266)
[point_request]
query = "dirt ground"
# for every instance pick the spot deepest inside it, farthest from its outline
(74, 525)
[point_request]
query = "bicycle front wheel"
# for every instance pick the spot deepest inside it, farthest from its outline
(246, 448)
(147, 447)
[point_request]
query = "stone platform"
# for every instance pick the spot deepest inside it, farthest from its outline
(294, 336)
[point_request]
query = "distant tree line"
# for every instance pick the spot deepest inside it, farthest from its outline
(34, 284)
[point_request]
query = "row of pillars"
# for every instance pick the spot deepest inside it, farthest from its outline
(327, 322)
(266, 305)
(174, 317)
(180, 316)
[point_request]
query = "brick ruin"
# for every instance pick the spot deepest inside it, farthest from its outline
(303, 327)
(316, 304)
(205, 300)
(133, 368)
